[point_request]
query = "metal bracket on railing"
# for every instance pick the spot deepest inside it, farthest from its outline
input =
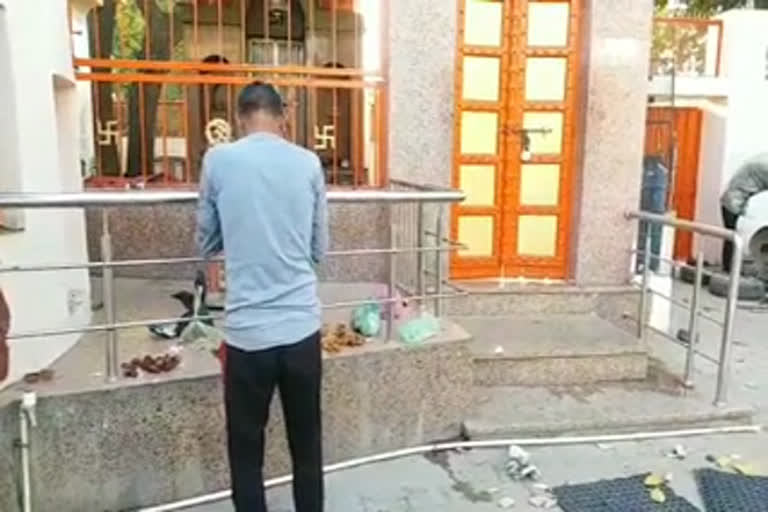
(693, 324)
(642, 315)
(421, 257)
(724, 370)
(27, 420)
(392, 280)
(439, 266)
(108, 289)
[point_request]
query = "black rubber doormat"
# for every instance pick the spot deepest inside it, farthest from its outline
(729, 492)
(619, 495)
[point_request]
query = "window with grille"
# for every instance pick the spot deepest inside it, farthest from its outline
(270, 52)
(164, 76)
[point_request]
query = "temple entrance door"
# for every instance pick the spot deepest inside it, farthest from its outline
(514, 138)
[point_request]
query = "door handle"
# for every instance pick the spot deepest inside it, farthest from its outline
(526, 131)
(508, 130)
(525, 140)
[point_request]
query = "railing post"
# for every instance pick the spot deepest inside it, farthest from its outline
(644, 295)
(421, 255)
(392, 281)
(724, 368)
(693, 323)
(439, 263)
(108, 290)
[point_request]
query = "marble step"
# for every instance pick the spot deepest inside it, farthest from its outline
(554, 349)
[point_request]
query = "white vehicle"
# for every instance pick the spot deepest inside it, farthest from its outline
(753, 227)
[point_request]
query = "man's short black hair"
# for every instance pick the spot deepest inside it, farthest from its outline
(259, 96)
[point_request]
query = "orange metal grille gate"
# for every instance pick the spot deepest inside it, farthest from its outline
(165, 75)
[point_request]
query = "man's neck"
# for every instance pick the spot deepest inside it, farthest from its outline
(264, 131)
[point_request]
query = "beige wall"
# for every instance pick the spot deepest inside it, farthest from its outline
(10, 176)
(208, 42)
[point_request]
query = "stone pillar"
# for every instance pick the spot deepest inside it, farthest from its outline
(422, 63)
(422, 66)
(615, 60)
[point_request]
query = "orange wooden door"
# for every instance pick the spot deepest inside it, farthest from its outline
(482, 90)
(514, 143)
(658, 141)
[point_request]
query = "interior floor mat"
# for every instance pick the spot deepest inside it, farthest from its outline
(619, 495)
(730, 492)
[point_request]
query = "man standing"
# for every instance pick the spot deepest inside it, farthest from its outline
(750, 179)
(262, 202)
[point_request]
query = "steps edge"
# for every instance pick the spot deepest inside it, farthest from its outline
(736, 415)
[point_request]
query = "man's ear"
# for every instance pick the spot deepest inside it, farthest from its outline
(285, 127)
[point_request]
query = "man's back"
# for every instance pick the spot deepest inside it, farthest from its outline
(267, 196)
(262, 202)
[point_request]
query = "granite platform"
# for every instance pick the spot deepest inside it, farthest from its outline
(137, 442)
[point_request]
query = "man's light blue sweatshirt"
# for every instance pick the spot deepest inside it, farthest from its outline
(262, 202)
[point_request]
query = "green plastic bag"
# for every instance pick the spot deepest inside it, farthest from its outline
(199, 334)
(415, 332)
(202, 336)
(366, 319)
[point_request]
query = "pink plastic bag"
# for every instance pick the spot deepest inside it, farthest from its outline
(402, 306)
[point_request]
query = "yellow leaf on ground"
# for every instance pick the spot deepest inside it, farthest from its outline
(654, 480)
(745, 469)
(724, 462)
(658, 495)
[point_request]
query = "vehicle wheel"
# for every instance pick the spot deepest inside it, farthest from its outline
(688, 275)
(749, 287)
(750, 268)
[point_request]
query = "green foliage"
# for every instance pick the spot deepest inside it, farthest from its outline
(129, 43)
(130, 26)
(129, 31)
(174, 92)
(686, 44)
(683, 44)
(708, 8)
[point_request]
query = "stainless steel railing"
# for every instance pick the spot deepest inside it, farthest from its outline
(695, 313)
(418, 194)
(407, 195)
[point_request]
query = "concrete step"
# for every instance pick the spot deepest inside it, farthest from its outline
(507, 412)
(491, 299)
(552, 349)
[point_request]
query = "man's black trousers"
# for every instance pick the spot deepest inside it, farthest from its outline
(250, 378)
